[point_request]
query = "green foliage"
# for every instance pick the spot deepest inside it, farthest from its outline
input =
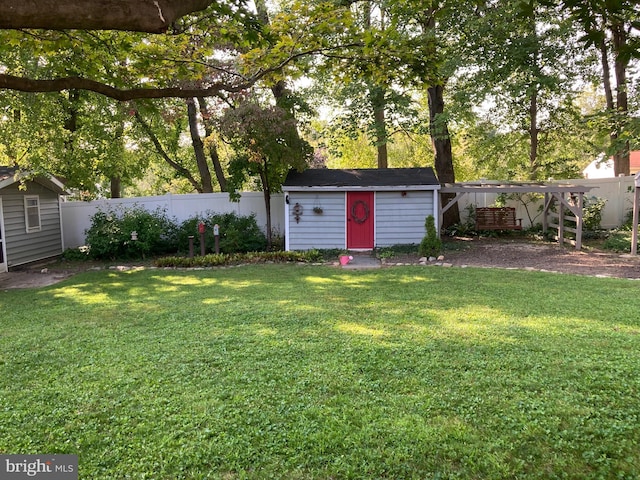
(237, 233)
(76, 254)
(618, 241)
(111, 234)
(393, 250)
(431, 244)
(592, 213)
(220, 259)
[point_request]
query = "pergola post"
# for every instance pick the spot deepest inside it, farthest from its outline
(545, 210)
(579, 221)
(561, 219)
(636, 207)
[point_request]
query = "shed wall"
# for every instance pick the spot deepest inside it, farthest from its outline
(23, 247)
(326, 230)
(400, 219)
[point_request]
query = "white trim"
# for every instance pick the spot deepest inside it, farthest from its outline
(286, 221)
(3, 246)
(345, 213)
(436, 211)
(381, 188)
(28, 227)
(25, 175)
(346, 224)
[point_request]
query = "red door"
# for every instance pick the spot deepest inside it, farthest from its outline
(360, 216)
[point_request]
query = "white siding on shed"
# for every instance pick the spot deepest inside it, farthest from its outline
(325, 230)
(400, 216)
(23, 247)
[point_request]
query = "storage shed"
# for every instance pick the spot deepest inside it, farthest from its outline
(358, 209)
(30, 221)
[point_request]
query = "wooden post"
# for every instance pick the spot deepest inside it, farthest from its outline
(545, 211)
(579, 222)
(561, 219)
(634, 236)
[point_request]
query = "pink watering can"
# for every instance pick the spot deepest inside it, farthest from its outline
(344, 259)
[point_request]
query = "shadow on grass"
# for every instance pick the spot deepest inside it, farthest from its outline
(315, 372)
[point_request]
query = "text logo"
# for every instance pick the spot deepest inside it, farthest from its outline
(39, 467)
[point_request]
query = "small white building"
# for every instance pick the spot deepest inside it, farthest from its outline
(603, 168)
(358, 209)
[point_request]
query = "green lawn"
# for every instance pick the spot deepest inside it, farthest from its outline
(293, 371)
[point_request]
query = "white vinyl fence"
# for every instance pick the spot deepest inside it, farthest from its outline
(76, 216)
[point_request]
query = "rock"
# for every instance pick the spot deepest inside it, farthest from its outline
(432, 259)
(440, 258)
(422, 259)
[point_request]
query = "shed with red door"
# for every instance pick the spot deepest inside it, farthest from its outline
(358, 209)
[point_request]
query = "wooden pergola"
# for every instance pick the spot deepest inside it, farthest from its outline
(569, 196)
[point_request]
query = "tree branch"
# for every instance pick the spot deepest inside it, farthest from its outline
(29, 85)
(152, 16)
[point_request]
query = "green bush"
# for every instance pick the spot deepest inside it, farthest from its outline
(237, 233)
(215, 260)
(431, 244)
(592, 213)
(111, 235)
(618, 241)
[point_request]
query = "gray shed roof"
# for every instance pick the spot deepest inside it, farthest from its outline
(11, 175)
(362, 178)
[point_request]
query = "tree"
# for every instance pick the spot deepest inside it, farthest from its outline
(522, 63)
(265, 149)
(611, 27)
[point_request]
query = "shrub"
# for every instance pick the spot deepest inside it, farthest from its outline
(431, 244)
(592, 213)
(618, 241)
(214, 260)
(237, 233)
(110, 235)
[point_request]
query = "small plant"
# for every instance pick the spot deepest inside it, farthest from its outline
(317, 210)
(618, 241)
(431, 244)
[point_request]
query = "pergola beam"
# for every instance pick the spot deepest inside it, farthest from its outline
(551, 192)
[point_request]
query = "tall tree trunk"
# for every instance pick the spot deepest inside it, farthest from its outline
(378, 102)
(621, 163)
(183, 172)
(441, 141)
(533, 135)
(198, 147)
(618, 107)
(266, 191)
(115, 187)
(211, 146)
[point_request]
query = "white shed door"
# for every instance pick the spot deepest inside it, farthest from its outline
(3, 261)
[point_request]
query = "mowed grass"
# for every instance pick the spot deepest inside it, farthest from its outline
(313, 372)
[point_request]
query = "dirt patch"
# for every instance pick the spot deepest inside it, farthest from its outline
(42, 275)
(543, 256)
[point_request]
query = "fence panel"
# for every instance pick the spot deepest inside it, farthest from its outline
(76, 216)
